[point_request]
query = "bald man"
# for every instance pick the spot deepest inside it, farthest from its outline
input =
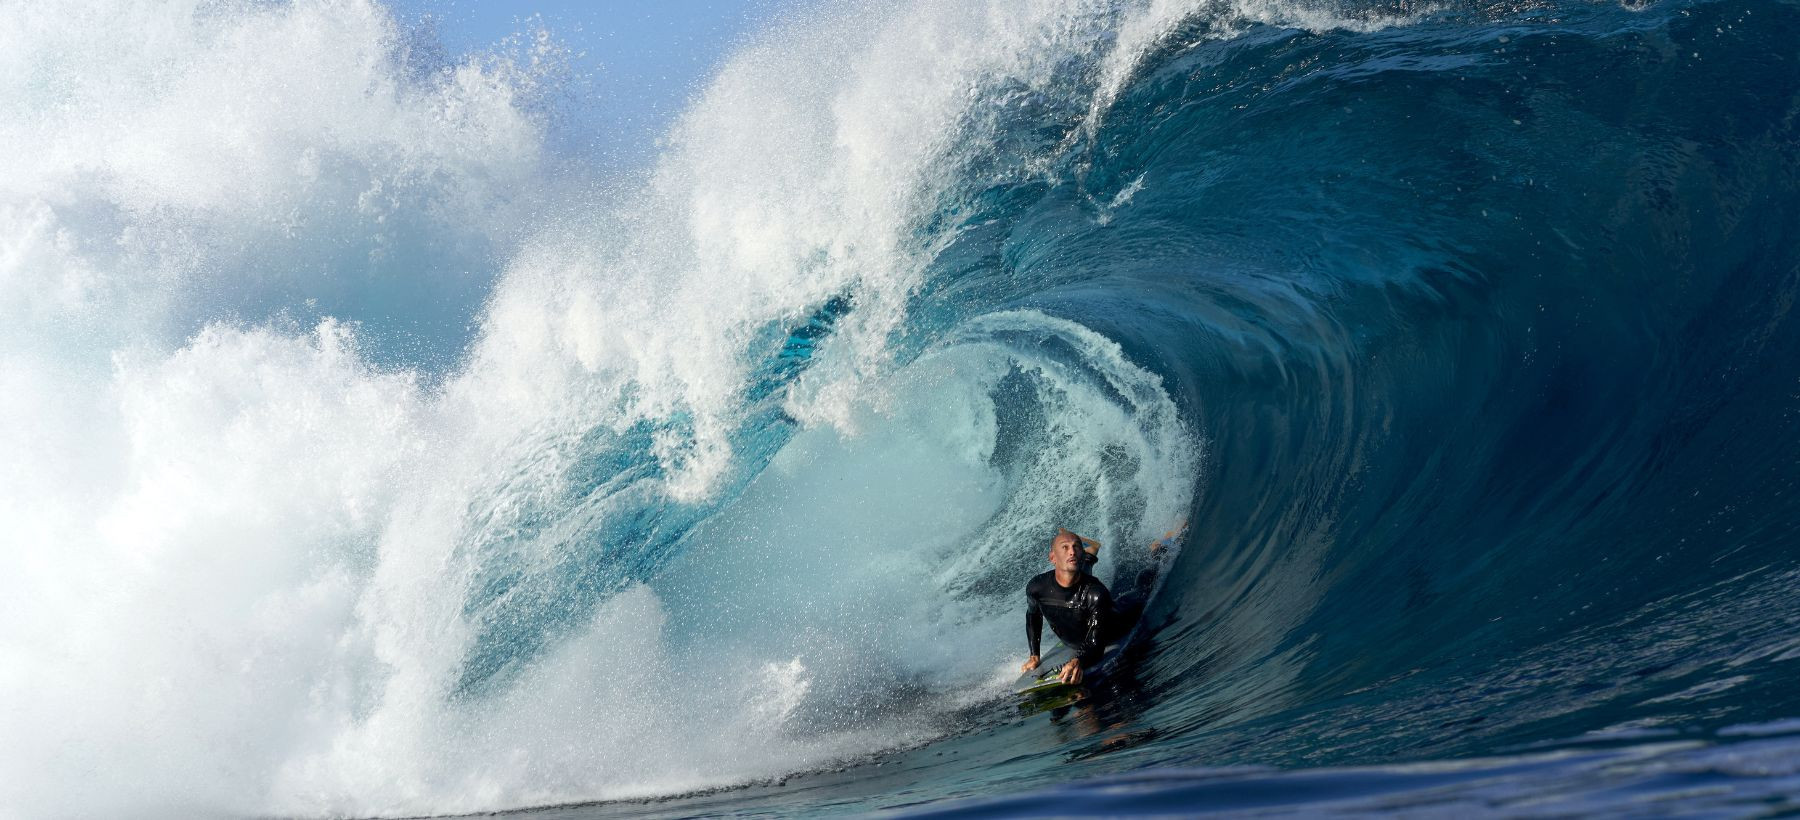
(1079, 608)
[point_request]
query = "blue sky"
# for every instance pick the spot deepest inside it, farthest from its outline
(638, 62)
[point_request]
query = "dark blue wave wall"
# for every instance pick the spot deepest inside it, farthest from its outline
(1486, 320)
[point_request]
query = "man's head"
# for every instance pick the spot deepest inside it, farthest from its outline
(1065, 551)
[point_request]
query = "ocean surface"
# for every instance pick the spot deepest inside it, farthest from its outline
(370, 450)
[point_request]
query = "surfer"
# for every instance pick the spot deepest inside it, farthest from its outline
(1079, 608)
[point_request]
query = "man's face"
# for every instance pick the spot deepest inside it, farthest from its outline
(1063, 551)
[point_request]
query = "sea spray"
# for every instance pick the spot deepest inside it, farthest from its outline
(281, 546)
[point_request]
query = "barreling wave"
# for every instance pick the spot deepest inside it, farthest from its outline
(361, 462)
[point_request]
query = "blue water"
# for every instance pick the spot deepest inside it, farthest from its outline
(1485, 320)
(1460, 336)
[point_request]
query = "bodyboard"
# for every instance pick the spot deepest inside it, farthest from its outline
(1045, 678)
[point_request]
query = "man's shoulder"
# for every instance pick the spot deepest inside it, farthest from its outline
(1037, 582)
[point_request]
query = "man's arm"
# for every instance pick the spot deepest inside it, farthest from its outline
(1090, 656)
(1034, 629)
(1034, 624)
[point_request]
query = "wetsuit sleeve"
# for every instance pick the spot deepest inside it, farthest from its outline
(1091, 655)
(1034, 622)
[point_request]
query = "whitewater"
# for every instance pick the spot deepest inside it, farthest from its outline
(372, 450)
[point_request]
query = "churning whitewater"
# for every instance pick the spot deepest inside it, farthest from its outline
(369, 450)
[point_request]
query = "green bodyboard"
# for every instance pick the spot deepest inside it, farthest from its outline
(1048, 684)
(1044, 679)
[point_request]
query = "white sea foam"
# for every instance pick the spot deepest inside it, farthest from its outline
(236, 546)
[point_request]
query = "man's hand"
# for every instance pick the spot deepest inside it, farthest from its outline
(1071, 671)
(1030, 664)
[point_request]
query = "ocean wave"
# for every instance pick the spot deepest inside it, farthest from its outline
(1458, 335)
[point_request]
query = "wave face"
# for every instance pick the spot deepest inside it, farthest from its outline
(367, 456)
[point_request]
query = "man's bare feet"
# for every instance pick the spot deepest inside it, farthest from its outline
(1168, 539)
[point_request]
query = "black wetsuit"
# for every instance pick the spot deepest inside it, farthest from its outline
(1083, 615)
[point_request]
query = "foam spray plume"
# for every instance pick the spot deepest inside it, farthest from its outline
(263, 563)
